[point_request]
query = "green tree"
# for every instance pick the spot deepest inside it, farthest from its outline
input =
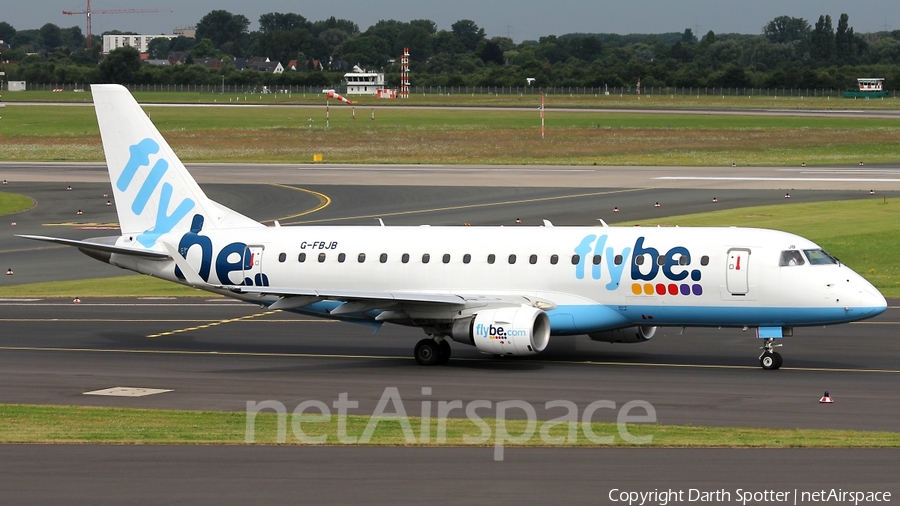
(51, 36)
(278, 22)
(845, 41)
(221, 26)
(120, 65)
(468, 33)
(158, 48)
(822, 40)
(491, 52)
(204, 49)
(688, 36)
(787, 29)
(7, 32)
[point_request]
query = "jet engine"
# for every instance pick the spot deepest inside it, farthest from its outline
(506, 331)
(626, 335)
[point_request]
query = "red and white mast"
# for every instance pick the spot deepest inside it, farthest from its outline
(404, 73)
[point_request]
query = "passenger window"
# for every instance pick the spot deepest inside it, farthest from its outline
(618, 259)
(554, 259)
(446, 258)
(321, 257)
(532, 259)
(301, 258)
(282, 257)
(361, 258)
(405, 258)
(425, 258)
(383, 258)
(596, 260)
(342, 257)
(639, 260)
(576, 259)
(661, 260)
(491, 258)
(682, 260)
(512, 259)
(704, 260)
(467, 258)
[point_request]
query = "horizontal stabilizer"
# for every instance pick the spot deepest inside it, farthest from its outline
(96, 246)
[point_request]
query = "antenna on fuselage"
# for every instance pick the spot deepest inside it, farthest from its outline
(380, 221)
(602, 222)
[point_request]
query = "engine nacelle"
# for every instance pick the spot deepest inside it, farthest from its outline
(626, 335)
(506, 331)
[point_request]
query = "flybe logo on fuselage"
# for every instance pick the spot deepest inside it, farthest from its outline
(646, 264)
(164, 223)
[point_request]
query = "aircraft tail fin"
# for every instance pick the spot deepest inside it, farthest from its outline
(154, 192)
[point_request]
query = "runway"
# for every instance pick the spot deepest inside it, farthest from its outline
(742, 176)
(52, 351)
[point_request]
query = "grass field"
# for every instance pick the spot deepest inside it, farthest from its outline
(774, 100)
(71, 424)
(448, 136)
(13, 203)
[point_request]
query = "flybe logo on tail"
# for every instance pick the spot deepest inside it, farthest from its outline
(140, 157)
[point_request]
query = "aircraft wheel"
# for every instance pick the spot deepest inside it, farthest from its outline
(778, 360)
(427, 352)
(769, 361)
(444, 352)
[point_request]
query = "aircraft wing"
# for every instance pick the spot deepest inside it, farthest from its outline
(388, 301)
(100, 247)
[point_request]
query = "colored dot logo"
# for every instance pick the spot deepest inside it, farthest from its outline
(664, 289)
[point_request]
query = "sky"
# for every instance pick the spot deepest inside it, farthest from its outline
(520, 19)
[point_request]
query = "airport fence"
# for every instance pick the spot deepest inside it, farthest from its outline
(681, 91)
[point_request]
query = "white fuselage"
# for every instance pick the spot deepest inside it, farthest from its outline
(596, 278)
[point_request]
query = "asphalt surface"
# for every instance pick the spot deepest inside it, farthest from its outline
(53, 351)
(217, 475)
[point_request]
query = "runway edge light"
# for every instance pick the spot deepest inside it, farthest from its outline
(826, 399)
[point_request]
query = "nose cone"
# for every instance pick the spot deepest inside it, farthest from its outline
(872, 303)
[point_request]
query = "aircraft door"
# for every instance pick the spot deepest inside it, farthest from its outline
(736, 277)
(253, 274)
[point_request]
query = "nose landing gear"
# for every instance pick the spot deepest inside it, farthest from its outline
(770, 359)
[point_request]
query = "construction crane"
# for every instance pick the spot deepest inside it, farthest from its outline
(88, 12)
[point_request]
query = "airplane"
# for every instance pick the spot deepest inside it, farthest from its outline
(504, 290)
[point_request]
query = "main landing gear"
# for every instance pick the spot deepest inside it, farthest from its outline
(432, 351)
(770, 359)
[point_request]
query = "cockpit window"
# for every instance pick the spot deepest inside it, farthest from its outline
(791, 257)
(820, 257)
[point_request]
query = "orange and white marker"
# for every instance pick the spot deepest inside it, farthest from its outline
(826, 399)
(9, 272)
(76, 301)
(338, 96)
